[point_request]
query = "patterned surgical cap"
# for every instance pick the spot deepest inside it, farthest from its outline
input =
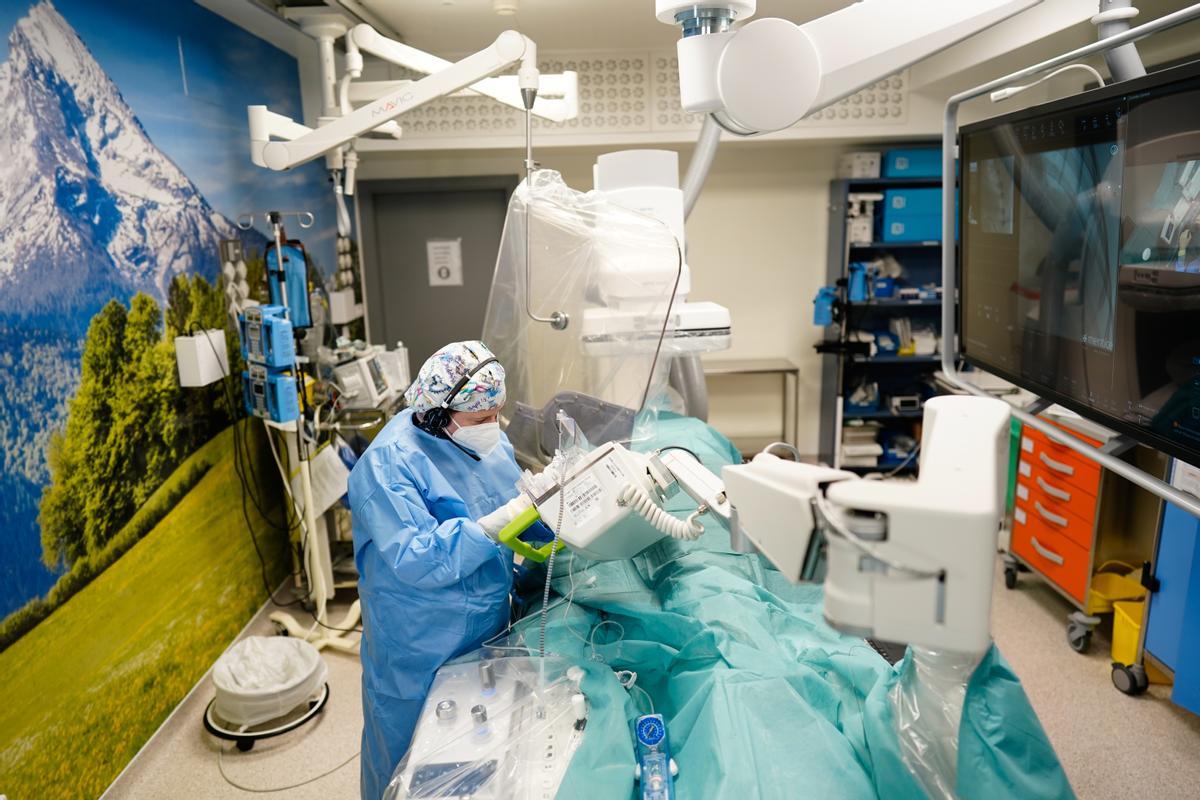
(445, 368)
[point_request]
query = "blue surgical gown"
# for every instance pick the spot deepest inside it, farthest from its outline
(432, 584)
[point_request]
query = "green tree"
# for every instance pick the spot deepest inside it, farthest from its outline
(133, 455)
(179, 306)
(75, 452)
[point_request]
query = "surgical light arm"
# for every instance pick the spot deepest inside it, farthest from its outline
(769, 74)
(557, 95)
(300, 146)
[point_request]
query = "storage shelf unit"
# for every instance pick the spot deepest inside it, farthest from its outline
(895, 374)
(850, 414)
(895, 245)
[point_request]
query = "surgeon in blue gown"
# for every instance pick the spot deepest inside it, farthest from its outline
(429, 497)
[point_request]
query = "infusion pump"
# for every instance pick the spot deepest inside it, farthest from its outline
(374, 378)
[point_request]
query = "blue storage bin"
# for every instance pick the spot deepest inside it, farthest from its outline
(884, 288)
(923, 162)
(886, 342)
(912, 215)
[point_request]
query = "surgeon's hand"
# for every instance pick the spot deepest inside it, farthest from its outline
(495, 522)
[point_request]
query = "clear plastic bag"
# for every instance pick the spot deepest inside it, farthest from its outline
(264, 677)
(494, 729)
(928, 704)
(611, 274)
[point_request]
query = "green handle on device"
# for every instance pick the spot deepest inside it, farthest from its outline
(509, 537)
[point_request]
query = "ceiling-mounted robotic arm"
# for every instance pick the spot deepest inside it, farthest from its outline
(279, 143)
(555, 97)
(769, 74)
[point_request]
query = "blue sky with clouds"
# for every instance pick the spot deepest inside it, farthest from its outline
(138, 43)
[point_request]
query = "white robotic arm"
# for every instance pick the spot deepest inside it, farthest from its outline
(556, 96)
(279, 143)
(769, 74)
(907, 561)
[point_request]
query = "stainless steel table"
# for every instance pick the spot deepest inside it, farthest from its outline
(790, 384)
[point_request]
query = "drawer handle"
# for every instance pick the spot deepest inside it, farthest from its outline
(1053, 491)
(1057, 466)
(1049, 516)
(1049, 555)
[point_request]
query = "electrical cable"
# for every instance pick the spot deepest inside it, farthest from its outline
(687, 450)
(242, 460)
(639, 500)
(1009, 91)
(562, 505)
(833, 519)
(257, 790)
(238, 468)
(898, 468)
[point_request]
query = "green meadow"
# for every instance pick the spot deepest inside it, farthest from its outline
(85, 689)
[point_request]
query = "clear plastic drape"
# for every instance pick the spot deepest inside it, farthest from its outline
(608, 276)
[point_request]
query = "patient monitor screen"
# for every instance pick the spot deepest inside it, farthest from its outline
(1080, 257)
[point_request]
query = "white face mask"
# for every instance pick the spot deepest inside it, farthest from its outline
(480, 439)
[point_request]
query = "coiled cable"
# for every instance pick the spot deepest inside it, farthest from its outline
(639, 500)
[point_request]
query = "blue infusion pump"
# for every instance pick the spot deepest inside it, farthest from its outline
(267, 337)
(270, 394)
(295, 276)
(654, 758)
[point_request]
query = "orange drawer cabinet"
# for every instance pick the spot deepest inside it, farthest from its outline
(1071, 519)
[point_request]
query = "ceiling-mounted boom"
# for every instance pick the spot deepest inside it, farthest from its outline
(278, 142)
(769, 74)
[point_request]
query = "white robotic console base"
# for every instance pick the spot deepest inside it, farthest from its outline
(498, 729)
(909, 561)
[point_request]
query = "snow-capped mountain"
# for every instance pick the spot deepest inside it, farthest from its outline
(89, 207)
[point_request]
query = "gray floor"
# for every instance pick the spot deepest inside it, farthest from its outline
(1113, 747)
(181, 761)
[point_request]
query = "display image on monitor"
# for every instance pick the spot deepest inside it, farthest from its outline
(1080, 257)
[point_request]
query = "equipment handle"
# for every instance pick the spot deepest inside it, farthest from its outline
(1049, 516)
(1057, 466)
(1053, 491)
(510, 537)
(1049, 555)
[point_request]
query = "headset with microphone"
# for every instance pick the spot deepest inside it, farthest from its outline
(435, 420)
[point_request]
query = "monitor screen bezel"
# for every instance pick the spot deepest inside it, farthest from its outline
(1125, 89)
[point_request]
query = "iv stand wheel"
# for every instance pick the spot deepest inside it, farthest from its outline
(1130, 680)
(245, 738)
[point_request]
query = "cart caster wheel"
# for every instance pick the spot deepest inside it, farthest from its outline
(1010, 577)
(1079, 638)
(1130, 680)
(245, 745)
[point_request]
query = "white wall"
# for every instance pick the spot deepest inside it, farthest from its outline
(756, 243)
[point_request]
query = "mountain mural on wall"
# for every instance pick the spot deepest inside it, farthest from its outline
(90, 209)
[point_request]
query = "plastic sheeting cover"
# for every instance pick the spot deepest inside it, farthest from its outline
(613, 272)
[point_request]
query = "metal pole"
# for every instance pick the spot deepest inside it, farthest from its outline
(949, 273)
(557, 320)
